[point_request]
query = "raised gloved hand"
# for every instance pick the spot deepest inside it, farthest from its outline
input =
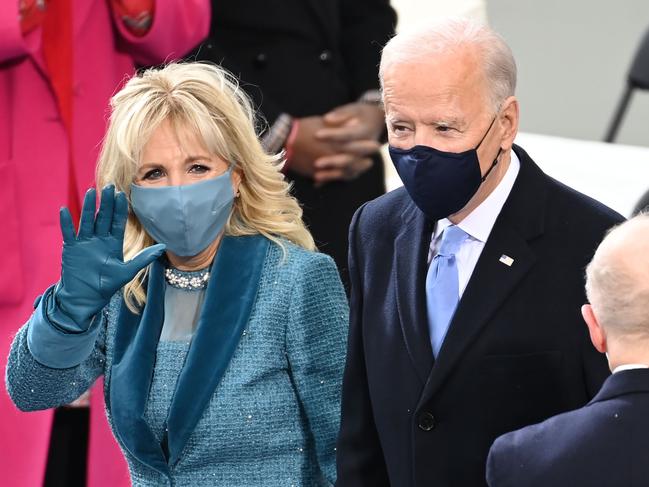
(93, 267)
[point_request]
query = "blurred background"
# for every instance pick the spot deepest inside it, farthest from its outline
(573, 60)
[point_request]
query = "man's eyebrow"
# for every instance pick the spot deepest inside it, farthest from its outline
(447, 122)
(393, 117)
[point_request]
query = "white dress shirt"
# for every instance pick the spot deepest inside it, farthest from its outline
(620, 368)
(477, 225)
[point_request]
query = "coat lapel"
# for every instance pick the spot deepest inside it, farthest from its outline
(492, 282)
(136, 341)
(228, 303)
(230, 297)
(411, 251)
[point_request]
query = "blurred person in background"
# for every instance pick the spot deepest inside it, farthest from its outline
(60, 61)
(605, 443)
(222, 345)
(311, 68)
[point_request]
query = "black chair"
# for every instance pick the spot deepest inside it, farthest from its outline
(642, 206)
(638, 78)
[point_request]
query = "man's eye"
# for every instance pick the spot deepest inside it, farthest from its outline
(444, 128)
(399, 129)
(153, 174)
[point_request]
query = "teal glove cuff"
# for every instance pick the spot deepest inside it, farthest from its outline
(50, 343)
(61, 320)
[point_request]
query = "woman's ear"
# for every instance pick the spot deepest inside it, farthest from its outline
(236, 177)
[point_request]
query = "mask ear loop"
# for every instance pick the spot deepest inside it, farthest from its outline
(493, 164)
(486, 133)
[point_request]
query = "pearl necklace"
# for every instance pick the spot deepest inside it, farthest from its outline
(187, 280)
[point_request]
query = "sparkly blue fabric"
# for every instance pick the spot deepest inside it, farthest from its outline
(272, 420)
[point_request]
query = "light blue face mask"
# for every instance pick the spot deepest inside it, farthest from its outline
(185, 218)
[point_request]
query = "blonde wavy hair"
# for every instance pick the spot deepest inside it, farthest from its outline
(207, 100)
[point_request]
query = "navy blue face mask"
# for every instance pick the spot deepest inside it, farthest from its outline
(440, 183)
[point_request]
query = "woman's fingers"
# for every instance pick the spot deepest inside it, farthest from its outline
(104, 219)
(120, 214)
(340, 166)
(67, 227)
(143, 259)
(342, 134)
(87, 224)
(362, 148)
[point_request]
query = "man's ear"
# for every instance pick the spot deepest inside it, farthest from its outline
(597, 333)
(509, 122)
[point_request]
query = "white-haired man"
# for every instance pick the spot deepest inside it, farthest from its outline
(430, 383)
(605, 443)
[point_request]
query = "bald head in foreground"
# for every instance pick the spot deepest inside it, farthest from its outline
(605, 443)
(467, 282)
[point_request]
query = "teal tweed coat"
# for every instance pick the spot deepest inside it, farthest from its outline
(252, 401)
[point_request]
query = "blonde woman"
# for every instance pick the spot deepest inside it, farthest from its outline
(220, 332)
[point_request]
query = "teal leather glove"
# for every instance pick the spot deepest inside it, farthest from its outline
(93, 267)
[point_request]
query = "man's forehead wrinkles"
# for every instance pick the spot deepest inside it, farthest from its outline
(424, 99)
(428, 115)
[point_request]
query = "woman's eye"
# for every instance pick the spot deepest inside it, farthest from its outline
(153, 174)
(199, 169)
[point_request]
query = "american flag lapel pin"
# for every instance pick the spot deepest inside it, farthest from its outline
(507, 260)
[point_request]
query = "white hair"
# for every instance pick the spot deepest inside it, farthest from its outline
(451, 34)
(617, 280)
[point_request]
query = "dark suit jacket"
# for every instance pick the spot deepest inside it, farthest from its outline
(605, 444)
(516, 351)
(306, 57)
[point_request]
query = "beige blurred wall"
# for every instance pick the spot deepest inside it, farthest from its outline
(572, 56)
(415, 12)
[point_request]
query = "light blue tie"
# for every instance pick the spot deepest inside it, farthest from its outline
(442, 286)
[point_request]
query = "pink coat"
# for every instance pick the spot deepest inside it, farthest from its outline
(34, 184)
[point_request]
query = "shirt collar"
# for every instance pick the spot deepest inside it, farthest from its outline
(480, 221)
(620, 368)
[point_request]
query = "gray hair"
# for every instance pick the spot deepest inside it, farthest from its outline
(617, 280)
(453, 33)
